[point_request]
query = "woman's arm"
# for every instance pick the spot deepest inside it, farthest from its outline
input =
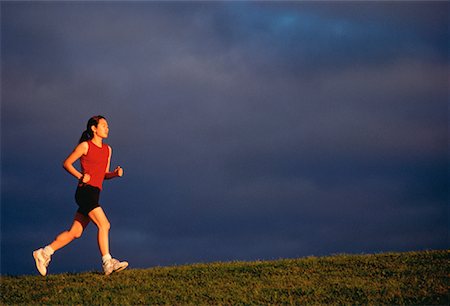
(116, 173)
(79, 151)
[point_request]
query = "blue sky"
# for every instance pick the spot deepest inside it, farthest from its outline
(247, 130)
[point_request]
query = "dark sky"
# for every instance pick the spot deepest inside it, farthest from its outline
(247, 130)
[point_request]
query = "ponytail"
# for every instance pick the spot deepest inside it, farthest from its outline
(89, 134)
(84, 137)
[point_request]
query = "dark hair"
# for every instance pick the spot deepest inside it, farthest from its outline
(89, 134)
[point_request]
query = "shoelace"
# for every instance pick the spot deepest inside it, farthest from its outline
(110, 263)
(46, 261)
(114, 262)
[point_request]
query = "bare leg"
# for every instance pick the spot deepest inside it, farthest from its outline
(98, 216)
(79, 224)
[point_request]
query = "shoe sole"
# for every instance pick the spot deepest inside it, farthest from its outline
(36, 259)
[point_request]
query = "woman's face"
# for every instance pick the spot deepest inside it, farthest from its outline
(102, 128)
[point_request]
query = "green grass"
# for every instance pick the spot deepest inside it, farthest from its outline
(389, 278)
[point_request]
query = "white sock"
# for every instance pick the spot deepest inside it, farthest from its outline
(48, 250)
(106, 258)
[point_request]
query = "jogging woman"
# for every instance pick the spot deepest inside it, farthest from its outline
(95, 158)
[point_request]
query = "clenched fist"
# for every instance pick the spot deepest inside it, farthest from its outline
(118, 171)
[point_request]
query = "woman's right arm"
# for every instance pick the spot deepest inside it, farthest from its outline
(79, 151)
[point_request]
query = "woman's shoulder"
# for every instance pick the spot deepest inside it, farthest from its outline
(83, 147)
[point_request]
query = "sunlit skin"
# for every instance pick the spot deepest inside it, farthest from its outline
(96, 215)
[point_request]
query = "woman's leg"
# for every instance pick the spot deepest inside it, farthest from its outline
(98, 216)
(109, 264)
(79, 224)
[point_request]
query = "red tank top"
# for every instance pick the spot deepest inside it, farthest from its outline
(94, 163)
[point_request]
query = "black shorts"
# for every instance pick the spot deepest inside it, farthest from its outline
(87, 198)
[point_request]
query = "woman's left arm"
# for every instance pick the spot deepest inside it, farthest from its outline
(118, 172)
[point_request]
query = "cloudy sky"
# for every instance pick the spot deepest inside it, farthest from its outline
(247, 130)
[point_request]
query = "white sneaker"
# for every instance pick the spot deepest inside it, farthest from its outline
(113, 265)
(42, 261)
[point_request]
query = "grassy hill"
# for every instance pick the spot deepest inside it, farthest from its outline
(389, 278)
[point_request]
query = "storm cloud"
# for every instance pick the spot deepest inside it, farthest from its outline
(247, 130)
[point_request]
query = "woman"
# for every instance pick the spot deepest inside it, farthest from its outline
(95, 158)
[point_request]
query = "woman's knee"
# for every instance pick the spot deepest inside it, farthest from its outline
(98, 216)
(108, 225)
(76, 233)
(104, 225)
(78, 226)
